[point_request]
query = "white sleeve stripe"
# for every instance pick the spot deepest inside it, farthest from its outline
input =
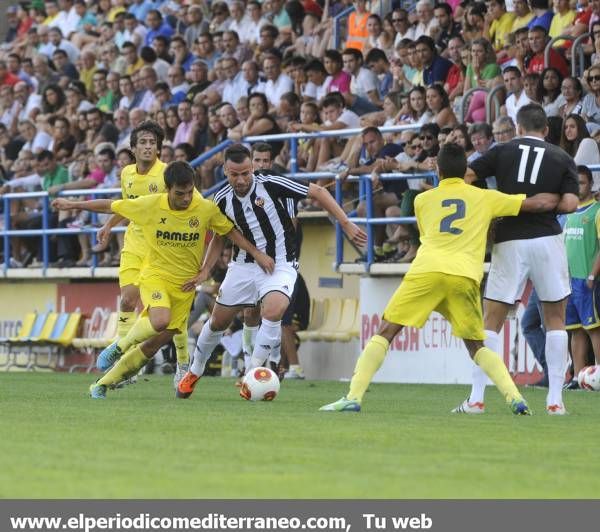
(221, 194)
(289, 184)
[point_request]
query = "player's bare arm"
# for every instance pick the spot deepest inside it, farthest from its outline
(104, 231)
(542, 202)
(100, 205)
(266, 263)
(568, 203)
(326, 200)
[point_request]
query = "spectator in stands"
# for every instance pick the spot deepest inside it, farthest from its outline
(277, 82)
(455, 78)
(482, 139)
(339, 78)
(513, 83)
(206, 50)
(474, 22)
(503, 129)
(156, 26)
(254, 82)
(542, 15)
(523, 15)
(590, 109)
(235, 85)
(427, 24)
(404, 29)
(357, 26)
(448, 28)
(483, 71)
(316, 86)
(551, 94)
(571, 90)
(438, 104)
(63, 142)
(180, 53)
(186, 124)
(136, 117)
(460, 136)
(576, 141)
(43, 73)
(378, 63)
(364, 95)
(498, 24)
(435, 67)
(183, 152)
(36, 140)
(64, 67)
(234, 48)
(416, 111)
(105, 98)
(57, 41)
(535, 62)
(562, 20)
(100, 130)
(130, 99)
(121, 118)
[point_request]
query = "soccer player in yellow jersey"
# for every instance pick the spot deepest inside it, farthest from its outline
(174, 226)
(143, 178)
(453, 220)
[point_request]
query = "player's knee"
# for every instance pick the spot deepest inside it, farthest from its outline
(161, 322)
(274, 311)
(128, 303)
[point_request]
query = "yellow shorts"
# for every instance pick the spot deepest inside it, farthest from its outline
(156, 292)
(456, 298)
(130, 266)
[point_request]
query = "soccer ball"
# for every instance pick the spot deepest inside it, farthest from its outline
(589, 378)
(260, 384)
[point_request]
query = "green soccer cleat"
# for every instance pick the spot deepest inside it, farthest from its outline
(519, 407)
(342, 405)
(97, 391)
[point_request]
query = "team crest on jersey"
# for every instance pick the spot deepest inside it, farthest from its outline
(585, 219)
(153, 188)
(194, 222)
(156, 295)
(129, 184)
(259, 202)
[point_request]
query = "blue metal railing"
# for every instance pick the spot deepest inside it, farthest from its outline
(365, 192)
(337, 25)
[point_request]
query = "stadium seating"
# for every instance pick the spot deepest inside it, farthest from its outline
(98, 332)
(332, 320)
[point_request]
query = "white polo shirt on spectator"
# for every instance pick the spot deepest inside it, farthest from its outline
(235, 88)
(349, 118)
(40, 142)
(426, 29)
(66, 21)
(316, 91)
(70, 49)
(274, 89)
(513, 104)
(147, 101)
(363, 83)
(34, 101)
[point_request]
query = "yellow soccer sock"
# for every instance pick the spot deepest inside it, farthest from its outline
(495, 369)
(126, 321)
(128, 365)
(181, 348)
(367, 365)
(142, 330)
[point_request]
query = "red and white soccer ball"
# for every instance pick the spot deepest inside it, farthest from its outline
(589, 378)
(260, 384)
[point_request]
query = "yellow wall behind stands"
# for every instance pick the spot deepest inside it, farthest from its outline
(18, 298)
(316, 261)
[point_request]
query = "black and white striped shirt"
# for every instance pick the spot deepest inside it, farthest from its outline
(263, 215)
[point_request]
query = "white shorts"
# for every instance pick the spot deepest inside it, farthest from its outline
(246, 284)
(543, 260)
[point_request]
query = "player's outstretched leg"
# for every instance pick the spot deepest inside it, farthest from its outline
(367, 365)
(557, 354)
(129, 364)
(496, 370)
(475, 403)
(183, 355)
(142, 330)
(207, 341)
(268, 337)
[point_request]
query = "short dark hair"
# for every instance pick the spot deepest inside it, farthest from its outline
(236, 153)
(44, 155)
(354, 52)
(538, 29)
(371, 129)
(179, 173)
(129, 154)
(427, 41)
(432, 128)
(451, 161)
(332, 99)
(513, 69)
(375, 54)
(581, 169)
(531, 117)
(315, 66)
(148, 126)
(261, 147)
(187, 148)
(482, 127)
(148, 54)
(445, 7)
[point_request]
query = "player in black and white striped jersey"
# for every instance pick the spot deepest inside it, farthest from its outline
(254, 204)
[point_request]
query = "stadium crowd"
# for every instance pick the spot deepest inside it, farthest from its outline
(76, 76)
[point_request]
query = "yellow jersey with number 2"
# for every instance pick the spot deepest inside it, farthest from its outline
(453, 220)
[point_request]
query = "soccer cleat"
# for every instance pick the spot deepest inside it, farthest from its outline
(469, 408)
(108, 356)
(342, 405)
(519, 407)
(186, 385)
(556, 410)
(180, 371)
(294, 373)
(97, 391)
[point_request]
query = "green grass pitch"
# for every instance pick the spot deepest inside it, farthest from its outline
(143, 443)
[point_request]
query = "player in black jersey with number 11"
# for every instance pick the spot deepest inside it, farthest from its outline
(528, 246)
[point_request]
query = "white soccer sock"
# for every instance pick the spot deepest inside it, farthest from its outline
(557, 357)
(249, 339)
(268, 337)
(480, 379)
(207, 341)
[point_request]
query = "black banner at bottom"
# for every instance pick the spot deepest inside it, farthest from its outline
(290, 515)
